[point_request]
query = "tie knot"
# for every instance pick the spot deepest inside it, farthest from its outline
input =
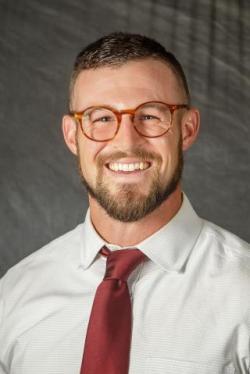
(122, 262)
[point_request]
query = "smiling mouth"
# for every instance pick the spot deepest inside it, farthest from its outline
(128, 167)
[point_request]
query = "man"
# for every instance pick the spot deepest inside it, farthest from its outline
(183, 305)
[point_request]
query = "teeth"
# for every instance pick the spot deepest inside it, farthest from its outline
(116, 166)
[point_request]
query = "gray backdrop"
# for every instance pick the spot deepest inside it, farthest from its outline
(41, 195)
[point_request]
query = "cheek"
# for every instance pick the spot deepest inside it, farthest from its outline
(166, 148)
(88, 151)
(169, 150)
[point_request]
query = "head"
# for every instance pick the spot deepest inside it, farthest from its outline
(116, 49)
(129, 175)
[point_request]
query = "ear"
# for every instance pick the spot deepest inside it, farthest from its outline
(190, 126)
(69, 128)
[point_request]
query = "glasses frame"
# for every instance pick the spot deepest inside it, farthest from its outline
(119, 113)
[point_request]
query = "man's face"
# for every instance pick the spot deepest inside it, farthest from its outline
(129, 195)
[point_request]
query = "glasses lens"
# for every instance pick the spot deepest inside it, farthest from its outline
(152, 119)
(99, 123)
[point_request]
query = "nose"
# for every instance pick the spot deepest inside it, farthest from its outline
(127, 136)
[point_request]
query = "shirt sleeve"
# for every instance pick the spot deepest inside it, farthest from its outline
(241, 354)
(3, 369)
(1, 307)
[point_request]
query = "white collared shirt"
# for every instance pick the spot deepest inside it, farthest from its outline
(191, 302)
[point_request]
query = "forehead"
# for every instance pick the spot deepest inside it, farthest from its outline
(127, 85)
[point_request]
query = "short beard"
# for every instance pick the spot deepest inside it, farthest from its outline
(128, 205)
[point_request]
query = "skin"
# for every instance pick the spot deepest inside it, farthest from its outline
(126, 87)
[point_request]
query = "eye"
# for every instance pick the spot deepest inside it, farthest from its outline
(148, 117)
(103, 119)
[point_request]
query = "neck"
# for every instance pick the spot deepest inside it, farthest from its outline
(131, 233)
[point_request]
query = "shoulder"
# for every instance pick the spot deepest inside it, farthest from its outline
(60, 251)
(32, 287)
(225, 238)
(226, 246)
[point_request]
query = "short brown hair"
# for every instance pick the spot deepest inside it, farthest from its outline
(117, 48)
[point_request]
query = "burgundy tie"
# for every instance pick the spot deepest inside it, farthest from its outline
(107, 343)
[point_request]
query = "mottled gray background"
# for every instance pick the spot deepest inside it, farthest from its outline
(41, 196)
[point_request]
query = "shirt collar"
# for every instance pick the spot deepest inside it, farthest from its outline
(92, 242)
(169, 247)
